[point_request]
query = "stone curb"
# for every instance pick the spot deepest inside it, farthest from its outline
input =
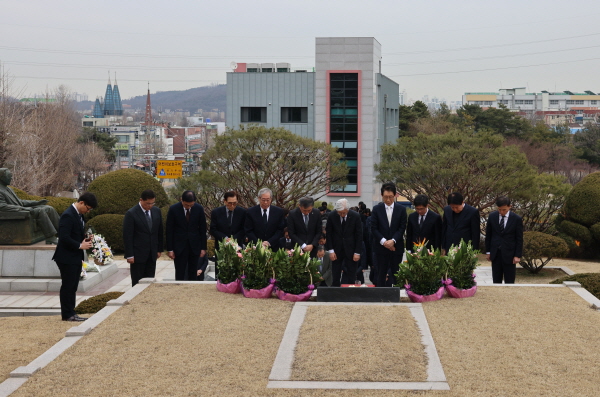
(20, 375)
(24, 372)
(583, 293)
(281, 371)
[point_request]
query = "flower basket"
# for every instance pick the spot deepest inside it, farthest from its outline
(101, 252)
(230, 288)
(460, 293)
(98, 263)
(262, 293)
(425, 298)
(284, 296)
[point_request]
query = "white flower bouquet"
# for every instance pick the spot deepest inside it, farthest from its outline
(101, 252)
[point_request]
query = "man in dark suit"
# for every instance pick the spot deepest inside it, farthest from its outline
(504, 242)
(186, 237)
(460, 222)
(423, 225)
(69, 252)
(304, 225)
(264, 221)
(344, 242)
(388, 223)
(227, 221)
(324, 266)
(143, 237)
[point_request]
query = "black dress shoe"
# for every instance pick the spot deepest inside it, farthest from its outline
(75, 318)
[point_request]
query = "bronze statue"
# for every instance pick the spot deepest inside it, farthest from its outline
(46, 217)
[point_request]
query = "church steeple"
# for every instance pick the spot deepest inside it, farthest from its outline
(109, 105)
(148, 120)
(117, 105)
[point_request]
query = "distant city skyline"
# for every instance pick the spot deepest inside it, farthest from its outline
(436, 48)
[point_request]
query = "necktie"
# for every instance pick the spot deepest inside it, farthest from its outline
(421, 219)
(229, 214)
(389, 214)
(187, 214)
(306, 221)
(265, 217)
(149, 219)
(82, 220)
(343, 223)
(502, 224)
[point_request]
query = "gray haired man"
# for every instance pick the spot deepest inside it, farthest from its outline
(264, 221)
(344, 242)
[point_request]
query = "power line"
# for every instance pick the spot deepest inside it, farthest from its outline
(492, 46)
(120, 79)
(487, 70)
(76, 66)
(491, 57)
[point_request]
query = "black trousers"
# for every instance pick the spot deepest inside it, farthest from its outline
(349, 275)
(388, 264)
(142, 270)
(69, 275)
(186, 265)
(500, 270)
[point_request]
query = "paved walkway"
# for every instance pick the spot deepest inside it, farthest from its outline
(121, 282)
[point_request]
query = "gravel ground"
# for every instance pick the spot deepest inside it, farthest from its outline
(390, 352)
(189, 340)
(25, 338)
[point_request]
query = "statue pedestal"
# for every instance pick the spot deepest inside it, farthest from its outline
(31, 269)
(19, 228)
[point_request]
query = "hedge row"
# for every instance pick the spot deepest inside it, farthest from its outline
(589, 281)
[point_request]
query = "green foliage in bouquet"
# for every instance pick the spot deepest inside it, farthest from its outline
(295, 270)
(462, 262)
(257, 268)
(229, 257)
(423, 270)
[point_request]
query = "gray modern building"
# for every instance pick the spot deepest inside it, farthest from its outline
(344, 100)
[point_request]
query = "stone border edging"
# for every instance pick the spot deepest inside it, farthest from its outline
(20, 375)
(281, 370)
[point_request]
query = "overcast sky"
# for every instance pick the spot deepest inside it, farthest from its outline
(440, 48)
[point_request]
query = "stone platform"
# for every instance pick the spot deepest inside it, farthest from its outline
(358, 294)
(30, 268)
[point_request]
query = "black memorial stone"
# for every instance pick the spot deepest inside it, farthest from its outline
(358, 294)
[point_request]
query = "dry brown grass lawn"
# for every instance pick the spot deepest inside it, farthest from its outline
(577, 265)
(189, 340)
(22, 339)
(390, 352)
(544, 276)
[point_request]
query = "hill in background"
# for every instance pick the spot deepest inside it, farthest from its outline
(206, 98)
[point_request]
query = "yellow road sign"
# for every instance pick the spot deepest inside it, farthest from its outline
(170, 169)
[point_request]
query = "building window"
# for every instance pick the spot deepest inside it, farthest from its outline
(294, 115)
(553, 102)
(252, 70)
(88, 123)
(578, 102)
(122, 138)
(593, 102)
(254, 115)
(343, 122)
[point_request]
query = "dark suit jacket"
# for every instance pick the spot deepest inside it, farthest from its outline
(180, 232)
(141, 242)
(430, 230)
(326, 273)
(220, 228)
(510, 242)
(70, 236)
(466, 227)
(300, 234)
(347, 242)
(256, 230)
(381, 228)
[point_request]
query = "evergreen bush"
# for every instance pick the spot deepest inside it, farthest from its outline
(110, 226)
(120, 190)
(537, 246)
(583, 202)
(589, 281)
(96, 303)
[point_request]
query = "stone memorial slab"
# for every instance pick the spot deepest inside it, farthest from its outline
(358, 294)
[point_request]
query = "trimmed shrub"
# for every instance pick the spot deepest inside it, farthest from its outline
(60, 204)
(595, 230)
(210, 248)
(575, 251)
(537, 246)
(577, 231)
(120, 190)
(110, 226)
(589, 281)
(96, 303)
(583, 203)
